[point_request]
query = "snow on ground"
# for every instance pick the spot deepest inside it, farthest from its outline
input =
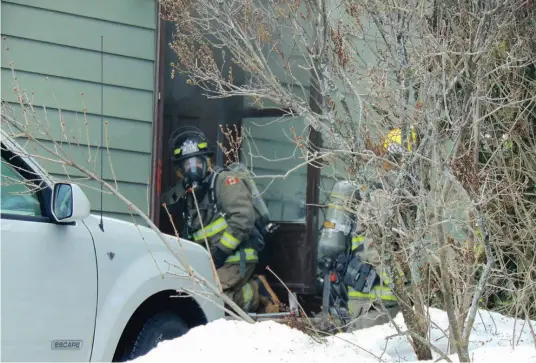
(233, 341)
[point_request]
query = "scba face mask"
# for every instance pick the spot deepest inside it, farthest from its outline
(194, 170)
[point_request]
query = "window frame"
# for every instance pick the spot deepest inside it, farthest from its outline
(312, 173)
(44, 194)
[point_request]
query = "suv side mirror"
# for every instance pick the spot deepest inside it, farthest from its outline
(69, 203)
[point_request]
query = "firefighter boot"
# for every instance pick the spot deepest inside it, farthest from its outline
(266, 306)
(268, 300)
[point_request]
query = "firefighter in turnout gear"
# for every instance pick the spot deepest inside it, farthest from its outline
(367, 279)
(224, 216)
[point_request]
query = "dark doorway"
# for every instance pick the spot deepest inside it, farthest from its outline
(291, 252)
(187, 105)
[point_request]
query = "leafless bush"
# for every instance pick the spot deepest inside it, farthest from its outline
(461, 74)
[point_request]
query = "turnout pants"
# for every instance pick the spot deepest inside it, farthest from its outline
(241, 289)
(366, 313)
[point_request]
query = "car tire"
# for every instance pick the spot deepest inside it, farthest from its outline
(157, 328)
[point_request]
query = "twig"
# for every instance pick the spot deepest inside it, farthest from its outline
(413, 335)
(290, 295)
(212, 264)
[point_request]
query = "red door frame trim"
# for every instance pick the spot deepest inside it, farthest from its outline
(158, 120)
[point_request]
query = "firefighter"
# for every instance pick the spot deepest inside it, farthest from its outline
(365, 266)
(226, 219)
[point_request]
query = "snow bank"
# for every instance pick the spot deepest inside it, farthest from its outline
(492, 340)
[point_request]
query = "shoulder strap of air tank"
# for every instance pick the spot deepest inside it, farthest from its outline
(212, 187)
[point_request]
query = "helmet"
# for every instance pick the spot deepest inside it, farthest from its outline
(393, 142)
(188, 141)
(188, 147)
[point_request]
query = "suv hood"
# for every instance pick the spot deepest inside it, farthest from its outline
(118, 232)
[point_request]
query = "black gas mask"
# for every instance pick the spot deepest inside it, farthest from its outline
(194, 171)
(189, 152)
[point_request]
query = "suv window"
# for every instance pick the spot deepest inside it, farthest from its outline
(18, 197)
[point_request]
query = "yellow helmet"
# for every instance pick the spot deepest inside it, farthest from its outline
(393, 141)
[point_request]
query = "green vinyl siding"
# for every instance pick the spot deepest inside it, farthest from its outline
(75, 31)
(84, 65)
(127, 166)
(134, 192)
(73, 95)
(54, 46)
(120, 131)
(138, 13)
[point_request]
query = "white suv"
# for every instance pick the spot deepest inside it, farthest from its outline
(73, 292)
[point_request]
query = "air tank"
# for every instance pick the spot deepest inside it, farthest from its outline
(258, 203)
(338, 223)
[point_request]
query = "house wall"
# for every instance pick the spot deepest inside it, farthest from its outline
(270, 138)
(269, 149)
(55, 46)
